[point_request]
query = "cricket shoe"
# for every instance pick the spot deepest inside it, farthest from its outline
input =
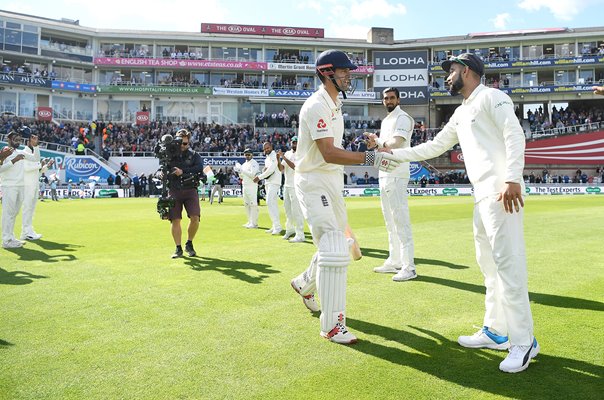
(386, 269)
(404, 275)
(309, 300)
(288, 234)
(12, 244)
(177, 253)
(190, 250)
(519, 357)
(297, 239)
(485, 339)
(339, 334)
(31, 236)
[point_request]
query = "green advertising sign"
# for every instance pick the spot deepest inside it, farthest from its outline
(593, 189)
(371, 192)
(186, 90)
(107, 193)
(450, 191)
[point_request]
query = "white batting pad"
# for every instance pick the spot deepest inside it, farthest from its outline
(334, 258)
(331, 282)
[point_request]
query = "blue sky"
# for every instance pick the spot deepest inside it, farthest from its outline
(340, 19)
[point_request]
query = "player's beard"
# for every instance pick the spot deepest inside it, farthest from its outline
(456, 86)
(391, 107)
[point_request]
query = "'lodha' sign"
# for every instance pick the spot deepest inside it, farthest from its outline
(405, 70)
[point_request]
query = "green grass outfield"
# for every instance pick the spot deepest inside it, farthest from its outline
(98, 310)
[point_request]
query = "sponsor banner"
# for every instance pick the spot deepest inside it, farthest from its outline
(360, 95)
(400, 78)
(456, 156)
(86, 193)
(417, 171)
(142, 118)
(262, 30)
(83, 167)
(564, 189)
(23, 80)
(228, 162)
(535, 63)
(172, 63)
(289, 93)
(77, 87)
(351, 191)
(363, 69)
(44, 113)
(400, 60)
(405, 70)
(224, 91)
(586, 148)
(291, 67)
(154, 89)
(528, 90)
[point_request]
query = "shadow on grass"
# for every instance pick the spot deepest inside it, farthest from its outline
(47, 245)
(383, 254)
(548, 376)
(233, 268)
(541, 298)
(5, 344)
(29, 254)
(17, 277)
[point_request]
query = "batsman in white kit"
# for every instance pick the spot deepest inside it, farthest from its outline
(248, 171)
(319, 183)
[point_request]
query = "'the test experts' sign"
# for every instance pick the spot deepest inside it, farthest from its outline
(405, 70)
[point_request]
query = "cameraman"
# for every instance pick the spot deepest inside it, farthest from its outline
(185, 170)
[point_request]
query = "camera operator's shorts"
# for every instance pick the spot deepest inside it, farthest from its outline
(188, 198)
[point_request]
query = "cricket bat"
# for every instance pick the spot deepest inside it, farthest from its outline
(355, 249)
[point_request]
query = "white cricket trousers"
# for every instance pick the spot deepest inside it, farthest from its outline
(30, 199)
(293, 212)
(395, 208)
(250, 201)
(323, 206)
(272, 202)
(499, 241)
(12, 199)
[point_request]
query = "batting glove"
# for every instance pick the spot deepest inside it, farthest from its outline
(382, 161)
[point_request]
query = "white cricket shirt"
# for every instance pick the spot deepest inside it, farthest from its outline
(320, 118)
(491, 139)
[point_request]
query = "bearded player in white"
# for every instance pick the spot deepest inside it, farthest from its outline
(395, 132)
(31, 176)
(493, 142)
(272, 183)
(248, 171)
(294, 225)
(319, 183)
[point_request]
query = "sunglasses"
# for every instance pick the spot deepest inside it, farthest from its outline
(184, 144)
(458, 60)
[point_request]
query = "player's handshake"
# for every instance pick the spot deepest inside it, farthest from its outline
(381, 160)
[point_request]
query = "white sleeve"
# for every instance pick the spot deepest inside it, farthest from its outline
(442, 142)
(270, 166)
(501, 111)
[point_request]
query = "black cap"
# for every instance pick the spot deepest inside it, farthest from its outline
(248, 151)
(469, 60)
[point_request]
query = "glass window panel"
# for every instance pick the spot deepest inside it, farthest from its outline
(62, 107)
(27, 102)
(83, 109)
(8, 102)
(12, 36)
(13, 25)
(30, 28)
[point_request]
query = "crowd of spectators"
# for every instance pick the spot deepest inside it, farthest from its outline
(564, 119)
